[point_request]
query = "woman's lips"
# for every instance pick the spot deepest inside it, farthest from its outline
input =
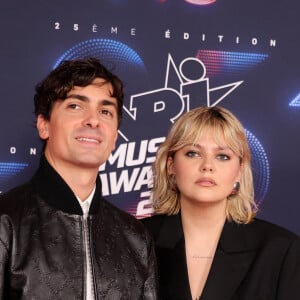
(206, 182)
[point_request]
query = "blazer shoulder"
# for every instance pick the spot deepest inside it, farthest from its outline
(155, 223)
(267, 228)
(154, 220)
(270, 233)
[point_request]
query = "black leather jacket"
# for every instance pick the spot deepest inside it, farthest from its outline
(42, 254)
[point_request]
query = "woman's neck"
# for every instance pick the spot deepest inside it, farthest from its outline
(202, 227)
(206, 217)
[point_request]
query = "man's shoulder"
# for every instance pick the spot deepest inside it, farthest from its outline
(116, 214)
(15, 198)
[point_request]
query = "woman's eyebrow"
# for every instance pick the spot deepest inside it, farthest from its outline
(217, 147)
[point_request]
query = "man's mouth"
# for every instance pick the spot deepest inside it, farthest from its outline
(88, 140)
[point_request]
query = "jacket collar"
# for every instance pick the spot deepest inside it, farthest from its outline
(234, 237)
(171, 232)
(234, 254)
(54, 190)
(171, 258)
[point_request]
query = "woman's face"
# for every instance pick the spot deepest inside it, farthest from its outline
(205, 172)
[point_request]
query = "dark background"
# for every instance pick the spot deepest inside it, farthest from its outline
(31, 46)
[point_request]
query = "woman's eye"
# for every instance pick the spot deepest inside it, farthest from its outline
(192, 154)
(223, 157)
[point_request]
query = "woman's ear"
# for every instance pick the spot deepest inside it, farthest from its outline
(42, 127)
(170, 165)
(239, 176)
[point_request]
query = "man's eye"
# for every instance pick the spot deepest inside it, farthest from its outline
(223, 157)
(73, 106)
(106, 112)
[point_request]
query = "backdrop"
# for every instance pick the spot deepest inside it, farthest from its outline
(173, 55)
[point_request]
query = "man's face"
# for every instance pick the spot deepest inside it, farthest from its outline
(82, 129)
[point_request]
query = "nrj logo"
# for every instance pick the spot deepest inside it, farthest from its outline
(146, 121)
(186, 87)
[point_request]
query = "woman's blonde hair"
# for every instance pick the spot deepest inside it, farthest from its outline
(241, 207)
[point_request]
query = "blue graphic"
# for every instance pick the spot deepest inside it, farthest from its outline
(295, 102)
(8, 170)
(229, 62)
(106, 50)
(260, 167)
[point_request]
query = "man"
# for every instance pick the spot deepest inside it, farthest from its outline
(59, 238)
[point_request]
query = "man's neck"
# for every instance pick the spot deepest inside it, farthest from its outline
(82, 187)
(80, 180)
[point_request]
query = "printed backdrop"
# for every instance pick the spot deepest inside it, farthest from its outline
(173, 55)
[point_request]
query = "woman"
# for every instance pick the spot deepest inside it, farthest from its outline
(209, 245)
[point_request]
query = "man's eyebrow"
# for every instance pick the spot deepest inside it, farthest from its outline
(109, 102)
(79, 97)
(105, 102)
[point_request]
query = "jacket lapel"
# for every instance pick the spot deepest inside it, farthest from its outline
(235, 252)
(171, 255)
(232, 260)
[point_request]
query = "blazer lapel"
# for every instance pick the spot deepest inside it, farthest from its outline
(171, 255)
(232, 260)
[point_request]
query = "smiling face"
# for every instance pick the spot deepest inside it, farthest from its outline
(206, 171)
(82, 129)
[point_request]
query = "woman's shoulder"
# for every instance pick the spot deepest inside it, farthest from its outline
(154, 219)
(266, 232)
(155, 222)
(266, 227)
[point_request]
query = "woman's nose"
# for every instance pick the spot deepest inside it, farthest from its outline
(206, 169)
(206, 166)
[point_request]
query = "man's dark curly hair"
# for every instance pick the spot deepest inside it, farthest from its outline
(71, 73)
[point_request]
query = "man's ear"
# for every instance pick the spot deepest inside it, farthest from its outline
(42, 127)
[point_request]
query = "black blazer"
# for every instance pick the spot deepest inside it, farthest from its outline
(257, 261)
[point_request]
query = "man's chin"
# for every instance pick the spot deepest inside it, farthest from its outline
(90, 163)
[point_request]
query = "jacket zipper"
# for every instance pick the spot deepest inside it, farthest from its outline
(88, 258)
(91, 256)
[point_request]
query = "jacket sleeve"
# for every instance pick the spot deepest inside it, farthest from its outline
(5, 238)
(3, 267)
(289, 281)
(151, 283)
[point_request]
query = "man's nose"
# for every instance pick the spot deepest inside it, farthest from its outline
(91, 119)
